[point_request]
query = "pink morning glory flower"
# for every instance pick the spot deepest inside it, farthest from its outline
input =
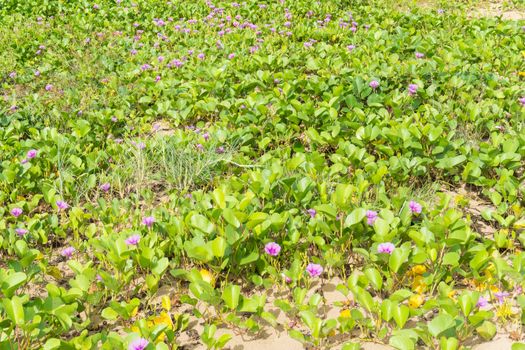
(21, 231)
(16, 212)
(371, 217)
(62, 205)
(31, 153)
(312, 213)
(386, 248)
(138, 344)
(314, 270)
(67, 252)
(501, 296)
(412, 89)
(415, 207)
(272, 248)
(133, 240)
(148, 221)
(482, 303)
(374, 84)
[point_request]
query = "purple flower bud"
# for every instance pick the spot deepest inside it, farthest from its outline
(371, 217)
(37, 73)
(522, 101)
(386, 248)
(105, 187)
(314, 270)
(206, 136)
(415, 207)
(62, 205)
(272, 248)
(133, 240)
(219, 150)
(350, 47)
(200, 56)
(501, 296)
(312, 213)
(148, 221)
(67, 252)
(231, 56)
(412, 89)
(420, 55)
(374, 84)
(21, 231)
(16, 212)
(31, 153)
(138, 344)
(482, 303)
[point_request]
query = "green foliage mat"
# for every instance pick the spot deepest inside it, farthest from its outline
(170, 168)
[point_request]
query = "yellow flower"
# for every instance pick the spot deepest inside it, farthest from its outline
(521, 74)
(415, 301)
(344, 313)
(419, 269)
(419, 285)
(207, 276)
(451, 294)
(494, 289)
(162, 319)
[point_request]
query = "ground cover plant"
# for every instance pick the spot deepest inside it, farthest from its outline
(193, 174)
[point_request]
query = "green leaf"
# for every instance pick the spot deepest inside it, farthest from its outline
(401, 342)
(398, 257)
(374, 277)
(12, 283)
(109, 314)
(487, 330)
(355, 217)
(200, 222)
(230, 295)
(230, 217)
(312, 322)
(440, 324)
(400, 314)
(448, 343)
(15, 310)
(218, 247)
